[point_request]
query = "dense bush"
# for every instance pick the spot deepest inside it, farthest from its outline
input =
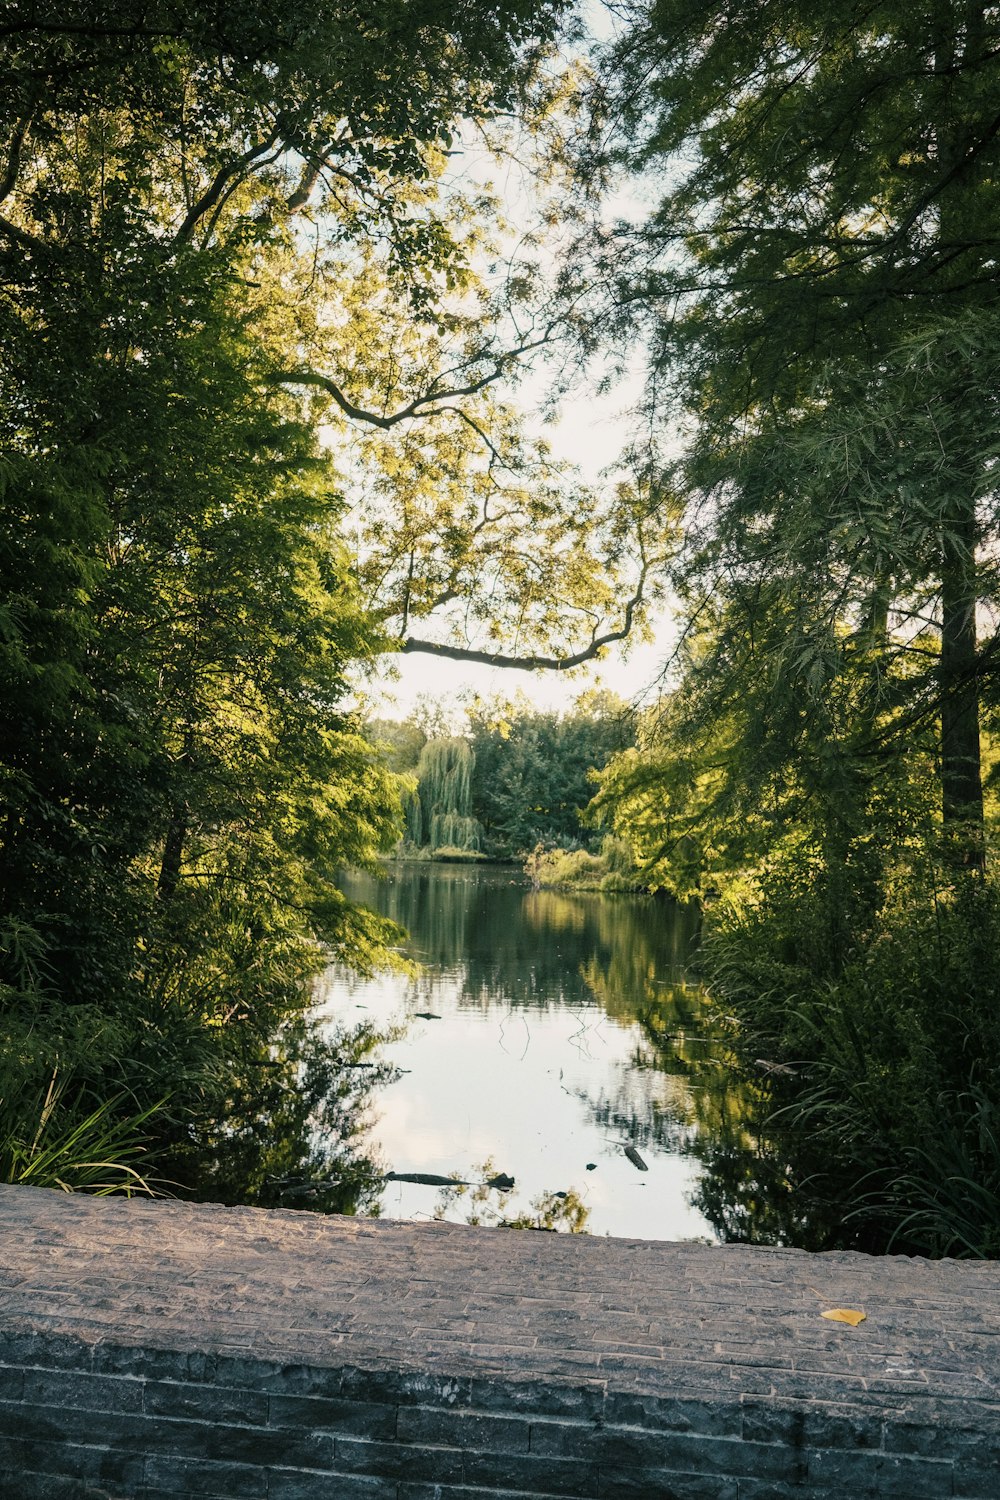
(875, 1068)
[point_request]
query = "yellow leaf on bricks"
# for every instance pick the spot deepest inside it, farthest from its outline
(845, 1315)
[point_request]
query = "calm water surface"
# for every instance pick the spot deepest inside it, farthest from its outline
(563, 1030)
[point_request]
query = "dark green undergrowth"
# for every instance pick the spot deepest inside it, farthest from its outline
(870, 1055)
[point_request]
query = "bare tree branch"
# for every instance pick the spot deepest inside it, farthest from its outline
(535, 662)
(432, 401)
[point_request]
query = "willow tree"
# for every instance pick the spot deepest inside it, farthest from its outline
(444, 796)
(830, 213)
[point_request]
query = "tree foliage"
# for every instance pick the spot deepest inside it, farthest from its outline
(203, 214)
(534, 769)
(519, 777)
(817, 289)
(817, 282)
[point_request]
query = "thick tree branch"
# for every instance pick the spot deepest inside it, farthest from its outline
(224, 178)
(535, 662)
(428, 404)
(302, 193)
(9, 180)
(94, 31)
(21, 237)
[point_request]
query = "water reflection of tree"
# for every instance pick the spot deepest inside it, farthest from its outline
(674, 1088)
(746, 1190)
(292, 1128)
(626, 957)
(497, 942)
(717, 1114)
(480, 1204)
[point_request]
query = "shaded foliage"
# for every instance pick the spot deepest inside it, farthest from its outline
(181, 774)
(817, 287)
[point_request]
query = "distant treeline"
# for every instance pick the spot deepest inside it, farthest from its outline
(516, 777)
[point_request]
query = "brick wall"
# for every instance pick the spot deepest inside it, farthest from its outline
(161, 1350)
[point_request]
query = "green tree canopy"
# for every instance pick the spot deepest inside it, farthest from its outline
(204, 214)
(817, 284)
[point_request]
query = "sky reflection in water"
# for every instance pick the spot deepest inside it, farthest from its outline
(566, 1031)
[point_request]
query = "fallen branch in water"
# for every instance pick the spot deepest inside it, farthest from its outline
(501, 1182)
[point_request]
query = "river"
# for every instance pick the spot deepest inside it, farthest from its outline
(544, 1033)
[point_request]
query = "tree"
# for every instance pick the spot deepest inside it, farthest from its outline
(182, 773)
(439, 812)
(533, 770)
(831, 210)
(817, 287)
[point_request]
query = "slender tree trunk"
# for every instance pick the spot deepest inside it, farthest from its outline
(961, 773)
(173, 849)
(177, 828)
(960, 42)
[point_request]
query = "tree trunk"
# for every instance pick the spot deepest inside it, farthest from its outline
(961, 774)
(173, 848)
(960, 42)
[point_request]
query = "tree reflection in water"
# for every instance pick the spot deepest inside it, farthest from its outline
(493, 949)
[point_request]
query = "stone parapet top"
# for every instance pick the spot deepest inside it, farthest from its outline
(632, 1319)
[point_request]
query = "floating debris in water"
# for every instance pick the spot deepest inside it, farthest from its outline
(426, 1179)
(426, 1015)
(433, 1179)
(635, 1158)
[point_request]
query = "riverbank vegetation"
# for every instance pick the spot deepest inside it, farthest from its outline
(254, 335)
(517, 780)
(817, 287)
(222, 232)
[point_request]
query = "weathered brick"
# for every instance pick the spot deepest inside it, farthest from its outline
(462, 1429)
(871, 1473)
(531, 1476)
(81, 1390)
(298, 1484)
(77, 1461)
(716, 1418)
(634, 1447)
(662, 1484)
(280, 1377)
(423, 1491)
(401, 1387)
(767, 1489)
(579, 1402)
(802, 1426)
(222, 1481)
(51, 1424)
(152, 1363)
(15, 1484)
(398, 1460)
(329, 1414)
(957, 1430)
(169, 1436)
(978, 1478)
(55, 1351)
(205, 1403)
